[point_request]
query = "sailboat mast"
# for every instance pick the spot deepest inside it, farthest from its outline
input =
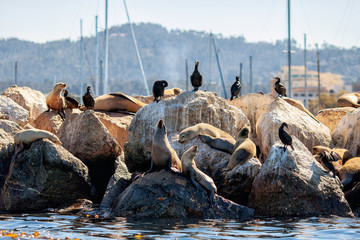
(106, 49)
(289, 49)
(97, 92)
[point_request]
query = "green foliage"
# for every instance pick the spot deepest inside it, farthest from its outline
(163, 54)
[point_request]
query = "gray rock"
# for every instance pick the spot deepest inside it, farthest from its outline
(169, 195)
(293, 183)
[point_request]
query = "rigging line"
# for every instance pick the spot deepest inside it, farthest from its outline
(307, 21)
(137, 49)
(267, 18)
(342, 19)
(347, 21)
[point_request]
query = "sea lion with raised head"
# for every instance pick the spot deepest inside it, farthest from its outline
(159, 89)
(55, 101)
(222, 144)
(202, 128)
(23, 139)
(349, 100)
(117, 102)
(244, 149)
(163, 156)
(197, 177)
(196, 78)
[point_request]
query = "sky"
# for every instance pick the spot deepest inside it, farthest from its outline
(335, 22)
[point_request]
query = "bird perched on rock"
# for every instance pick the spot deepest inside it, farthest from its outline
(285, 136)
(279, 87)
(158, 89)
(88, 99)
(235, 88)
(196, 78)
(71, 102)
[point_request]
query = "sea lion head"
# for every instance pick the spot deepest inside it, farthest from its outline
(244, 132)
(184, 136)
(59, 86)
(191, 152)
(161, 125)
(177, 91)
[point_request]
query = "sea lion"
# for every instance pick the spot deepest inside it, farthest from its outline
(222, 144)
(343, 153)
(70, 102)
(202, 128)
(235, 88)
(159, 89)
(326, 161)
(173, 91)
(244, 149)
(349, 173)
(196, 78)
(23, 139)
(279, 87)
(300, 106)
(55, 101)
(88, 99)
(349, 100)
(197, 177)
(285, 136)
(320, 149)
(162, 154)
(114, 102)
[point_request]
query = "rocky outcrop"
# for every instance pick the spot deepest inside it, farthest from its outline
(330, 117)
(117, 184)
(187, 109)
(30, 99)
(44, 176)
(168, 195)
(347, 132)
(51, 121)
(84, 135)
(9, 127)
(117, 124)
(301, 125)
(12, 111)
(236, 184)
(293, 183)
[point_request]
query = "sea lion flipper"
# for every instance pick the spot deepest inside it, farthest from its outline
(193, 180)
(212, 197)
(122, 96)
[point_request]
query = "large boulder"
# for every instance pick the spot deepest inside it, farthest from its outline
(331, 117)
(51, 121)
(301, 125)
(32, 100)
(347, 132)
(187, 109)
(169, 195)
(117, 124)
(9, 126)
(293, 183)
(44, 176)
(84, 135)
(117, 184)
(12, 111)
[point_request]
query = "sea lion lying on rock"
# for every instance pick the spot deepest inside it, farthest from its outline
(23, 139)
(197, 177)
(349, 100)
(222, 144)
(202, 128)
(117, 102)
(350, 173)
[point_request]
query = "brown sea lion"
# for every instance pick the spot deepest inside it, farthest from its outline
(300, 106)
(320, 149)
(202, 128)
(349, 100)
(23, 139)
(172, 91)
(197, 177)
(349, 173)
(222, 144)
(244, 149)
(55, 101)
(114, 102)
(163, 156)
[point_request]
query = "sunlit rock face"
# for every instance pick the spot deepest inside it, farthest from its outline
(51, 121)
(44, 176)
(165, 194)
(293, 183)
(12, 111)
(347, 132)
(301, 125)
(187, 109)
(32, 100)
(168, 93)
(331, 117)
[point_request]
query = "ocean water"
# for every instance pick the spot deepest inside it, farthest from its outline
(57, 226)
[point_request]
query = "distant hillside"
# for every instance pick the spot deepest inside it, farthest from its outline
(163, 54)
